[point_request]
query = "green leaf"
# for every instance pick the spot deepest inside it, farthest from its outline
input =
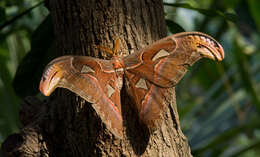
(254, 6)
(30, 69)
(2, 14)
(3, 54)
(253, 145)
(11, 21)
(174, 27)
(228, 16)
(247, 80)
(8, 99)
(223, 138)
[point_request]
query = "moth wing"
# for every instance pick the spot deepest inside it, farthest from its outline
(92, 79)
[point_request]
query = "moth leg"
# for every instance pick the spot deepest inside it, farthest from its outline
(114, 51)
(116, 47)
(106, 49)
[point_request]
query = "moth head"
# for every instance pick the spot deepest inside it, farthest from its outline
(53, 75)
(204, 44)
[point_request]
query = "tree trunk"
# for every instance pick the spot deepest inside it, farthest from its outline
(69, 126)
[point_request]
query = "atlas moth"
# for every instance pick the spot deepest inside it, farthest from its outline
(147, 74)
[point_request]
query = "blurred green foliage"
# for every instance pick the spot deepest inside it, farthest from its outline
(18, 22)
(219, 104)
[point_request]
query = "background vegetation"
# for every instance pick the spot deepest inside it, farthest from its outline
(219, 104)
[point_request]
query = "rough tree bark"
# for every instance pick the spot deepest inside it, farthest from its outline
(66, 125)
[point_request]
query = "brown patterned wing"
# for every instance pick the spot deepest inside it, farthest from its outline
(161, 65)
(92, 79)
(149, 98)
